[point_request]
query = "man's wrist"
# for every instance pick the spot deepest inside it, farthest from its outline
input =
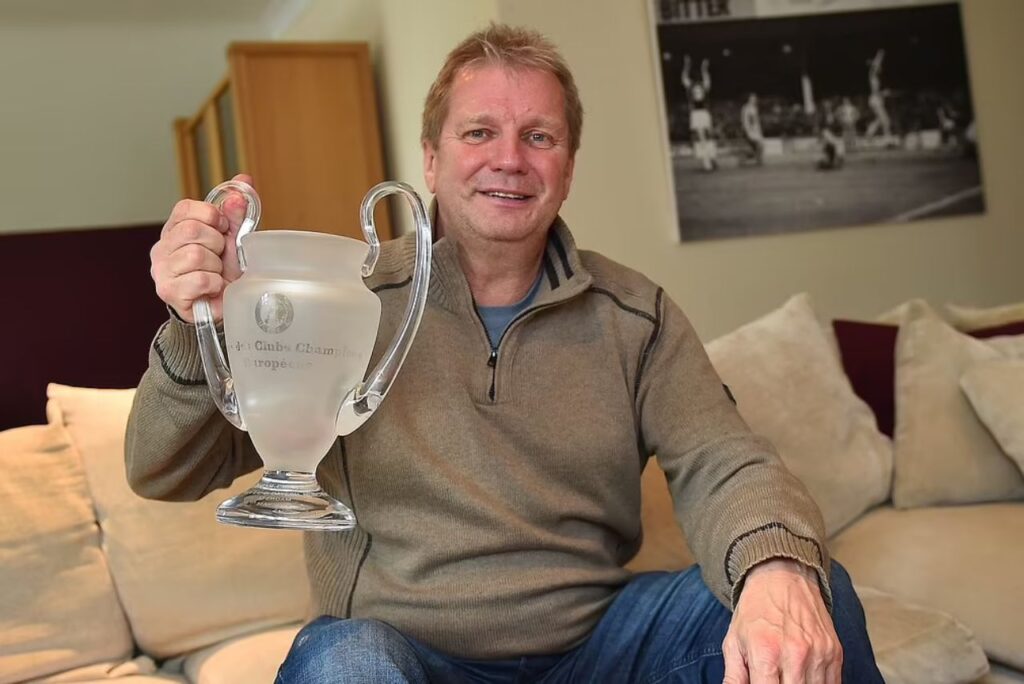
(784, 564)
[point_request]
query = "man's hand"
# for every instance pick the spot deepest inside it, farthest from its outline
(781, 632)
(195, 256)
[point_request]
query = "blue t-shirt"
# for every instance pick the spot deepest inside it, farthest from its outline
(497, 318)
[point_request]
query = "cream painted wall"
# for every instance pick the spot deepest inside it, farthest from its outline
(341, 20)
(621, 201)
(86, 114)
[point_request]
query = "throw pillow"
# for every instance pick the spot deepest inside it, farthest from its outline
(969, 318)
(58, 607)
(996, 392)
(185, 580)
(942, 452)
(868, 351)
(790, 387)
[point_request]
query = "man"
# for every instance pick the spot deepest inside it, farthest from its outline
(848, 116)
(497, 487)
(833, 149)
(697, 95)
(876, 100)
(751, 120)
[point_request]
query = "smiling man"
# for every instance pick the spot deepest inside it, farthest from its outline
(498, 487)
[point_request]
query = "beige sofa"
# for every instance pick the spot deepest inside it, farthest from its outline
(97, 584)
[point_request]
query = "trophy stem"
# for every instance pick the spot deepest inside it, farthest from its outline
(287, 499)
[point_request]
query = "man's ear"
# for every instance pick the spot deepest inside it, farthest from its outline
(429, 162)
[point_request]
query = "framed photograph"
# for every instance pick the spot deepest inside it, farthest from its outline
(795, 115)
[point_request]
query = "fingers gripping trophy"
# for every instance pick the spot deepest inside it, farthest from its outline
(299, 328)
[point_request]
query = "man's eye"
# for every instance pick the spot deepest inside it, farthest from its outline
(538, 139)
(477, 134)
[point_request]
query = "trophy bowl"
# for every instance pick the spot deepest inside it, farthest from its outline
(299, 329)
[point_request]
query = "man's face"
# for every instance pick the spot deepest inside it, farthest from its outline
(502, 166)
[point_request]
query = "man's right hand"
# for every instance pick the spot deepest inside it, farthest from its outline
(196, 255)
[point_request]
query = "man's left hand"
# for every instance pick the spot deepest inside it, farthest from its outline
(781, 632)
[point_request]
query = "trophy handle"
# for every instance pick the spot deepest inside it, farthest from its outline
(363, 400)
(215, 365)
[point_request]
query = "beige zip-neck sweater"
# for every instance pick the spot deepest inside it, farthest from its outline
(498, 496)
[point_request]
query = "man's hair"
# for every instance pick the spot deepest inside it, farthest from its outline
(512, 48)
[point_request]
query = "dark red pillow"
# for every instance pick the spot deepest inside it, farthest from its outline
(1014, 328)
(868, 352)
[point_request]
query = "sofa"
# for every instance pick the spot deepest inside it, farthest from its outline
(98, 585)
(928, 519)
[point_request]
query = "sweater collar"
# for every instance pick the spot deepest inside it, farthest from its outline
(562, 273)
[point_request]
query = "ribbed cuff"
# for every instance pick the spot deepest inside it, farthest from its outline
(177, 348)
(773, 540)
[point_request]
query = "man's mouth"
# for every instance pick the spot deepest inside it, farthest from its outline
(505, 195)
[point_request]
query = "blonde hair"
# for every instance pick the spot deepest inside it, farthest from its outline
(510, 47)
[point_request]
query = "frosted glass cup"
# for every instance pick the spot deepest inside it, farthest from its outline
(299, 327)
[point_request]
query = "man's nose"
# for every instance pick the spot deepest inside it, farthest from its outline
(509, 154)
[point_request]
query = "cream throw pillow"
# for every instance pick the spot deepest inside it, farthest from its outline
(790, 387)
(976, 318)
(996, 392)
(943, 454)
(58, 608)
(912, 308)
(185, 580)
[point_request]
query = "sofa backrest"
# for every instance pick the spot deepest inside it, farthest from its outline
(90, 573)
(185, 581)
(58, 606)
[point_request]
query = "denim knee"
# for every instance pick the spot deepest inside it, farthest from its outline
(330, 650)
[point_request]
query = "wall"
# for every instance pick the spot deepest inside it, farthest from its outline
(86, 134)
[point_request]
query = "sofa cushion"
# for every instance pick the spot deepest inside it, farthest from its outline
(963, 560)
(664, 546)
(251, 658)
(996, 392)
(975, 318)
(185, 580)
(1001, 675)
(58, 607)
(140, 670)
(868, 353)
(790, 387)
(914, 644)
(943, 454)
(157, 678)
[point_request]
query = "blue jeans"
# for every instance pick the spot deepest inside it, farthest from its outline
(662, 628)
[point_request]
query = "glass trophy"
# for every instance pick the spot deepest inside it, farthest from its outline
(299, 329)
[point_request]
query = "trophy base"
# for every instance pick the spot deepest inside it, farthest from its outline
(288, 500)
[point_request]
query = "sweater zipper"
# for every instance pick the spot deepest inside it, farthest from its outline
(492, 358)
